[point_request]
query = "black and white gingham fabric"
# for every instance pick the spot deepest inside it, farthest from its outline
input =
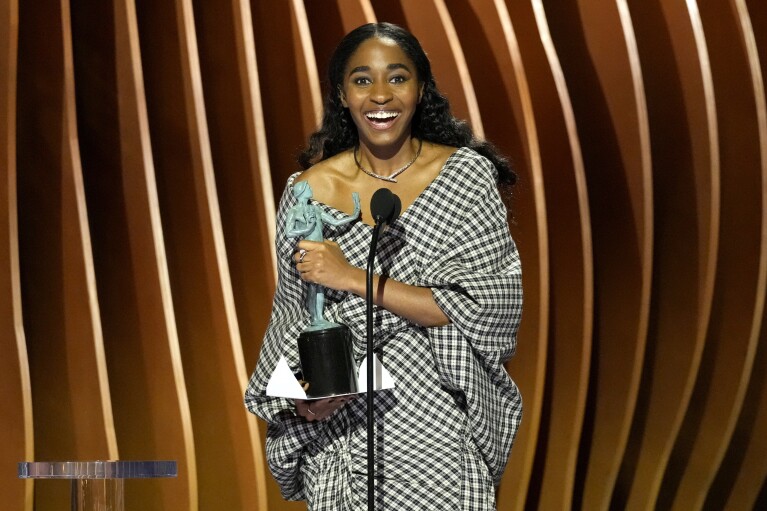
(443, 435)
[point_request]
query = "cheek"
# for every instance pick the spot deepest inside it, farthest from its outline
(413, 97)
(353, 104)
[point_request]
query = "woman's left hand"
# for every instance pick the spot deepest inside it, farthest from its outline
(320, 409)
(324, 263)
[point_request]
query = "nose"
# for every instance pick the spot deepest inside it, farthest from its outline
(380, 94)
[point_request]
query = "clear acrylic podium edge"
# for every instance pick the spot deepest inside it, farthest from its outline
(109, 469)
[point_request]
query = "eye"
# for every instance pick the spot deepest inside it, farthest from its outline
(361, 80)
(398, 79)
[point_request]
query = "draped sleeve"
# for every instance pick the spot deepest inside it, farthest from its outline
(476, 279)
(287, 433)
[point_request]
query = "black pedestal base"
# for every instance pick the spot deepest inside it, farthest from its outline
(327, 361)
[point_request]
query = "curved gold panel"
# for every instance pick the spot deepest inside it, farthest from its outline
(70, 391)
(243, 178)
(621, 330)
(247, 208)
(569, 236)
(225, 439)
(598, 53)
(16, 443)
(686, 199)
(146, 378)
(744, 470)
(329, 22)
(354, 13)
(291, 92)
(742, 265)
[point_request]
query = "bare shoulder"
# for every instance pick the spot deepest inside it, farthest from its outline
(435, 155)
(327, 177)
(325, 170)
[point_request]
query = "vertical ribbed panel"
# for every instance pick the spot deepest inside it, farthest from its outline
(329, 22)
(225, 440)
(289, 85)
(570, 258)
(598, 54)
(16, 443)
(744, 469)
(739, 287)
(70, 389)
(146, 378)
(143, 147)
(240, 158)
(685, 153)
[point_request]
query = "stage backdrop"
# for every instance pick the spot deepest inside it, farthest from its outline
(143, 146)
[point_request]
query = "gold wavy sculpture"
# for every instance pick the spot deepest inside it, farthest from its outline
(143, 144)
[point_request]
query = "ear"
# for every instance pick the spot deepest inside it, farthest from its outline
(420, 93)
(342, 97)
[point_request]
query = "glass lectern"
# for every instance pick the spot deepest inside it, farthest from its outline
(97, 485)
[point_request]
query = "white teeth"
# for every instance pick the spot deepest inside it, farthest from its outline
(380, 115)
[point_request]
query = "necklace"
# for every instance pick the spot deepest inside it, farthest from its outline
(390, 177)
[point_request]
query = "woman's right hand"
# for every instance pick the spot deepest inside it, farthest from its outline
(320, 409)
(324, 263)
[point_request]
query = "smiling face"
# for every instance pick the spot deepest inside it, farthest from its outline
(381, 91)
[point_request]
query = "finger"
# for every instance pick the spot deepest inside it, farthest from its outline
(303, 273)
(316, 408)
(301, 408)
(299, 256)
(308, 245)
(308, 409)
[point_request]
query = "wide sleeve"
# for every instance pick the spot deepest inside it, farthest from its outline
(476, 279)
(287, 434)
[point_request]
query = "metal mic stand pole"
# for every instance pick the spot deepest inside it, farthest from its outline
(370, 355)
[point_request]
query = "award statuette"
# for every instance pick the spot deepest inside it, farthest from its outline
(324, 348)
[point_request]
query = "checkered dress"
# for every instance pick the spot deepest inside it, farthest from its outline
(443, 435)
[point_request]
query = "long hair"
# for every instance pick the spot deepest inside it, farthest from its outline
(432, 121)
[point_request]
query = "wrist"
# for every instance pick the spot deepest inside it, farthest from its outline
(358, 281)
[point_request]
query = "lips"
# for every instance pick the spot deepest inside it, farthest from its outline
(382, 119)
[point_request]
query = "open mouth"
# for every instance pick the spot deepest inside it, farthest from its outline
(381, 118)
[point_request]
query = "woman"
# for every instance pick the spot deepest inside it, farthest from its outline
(447, 291)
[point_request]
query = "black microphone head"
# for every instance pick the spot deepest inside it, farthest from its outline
(397, 207)
(384, 206)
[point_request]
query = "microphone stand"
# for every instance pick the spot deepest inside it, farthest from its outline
(369, 298)
(384, 207)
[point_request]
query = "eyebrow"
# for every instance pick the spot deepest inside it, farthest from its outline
(390, 67)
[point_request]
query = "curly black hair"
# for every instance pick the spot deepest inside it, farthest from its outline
(432, 121)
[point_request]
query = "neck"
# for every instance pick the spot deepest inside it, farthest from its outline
(387, 159)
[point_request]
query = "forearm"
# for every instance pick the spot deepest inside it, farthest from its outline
(414, 303)
(324, 264)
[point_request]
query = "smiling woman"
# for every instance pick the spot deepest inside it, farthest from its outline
(447, 286)
(381, 92)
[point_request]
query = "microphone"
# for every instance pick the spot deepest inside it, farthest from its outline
(385, 206)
